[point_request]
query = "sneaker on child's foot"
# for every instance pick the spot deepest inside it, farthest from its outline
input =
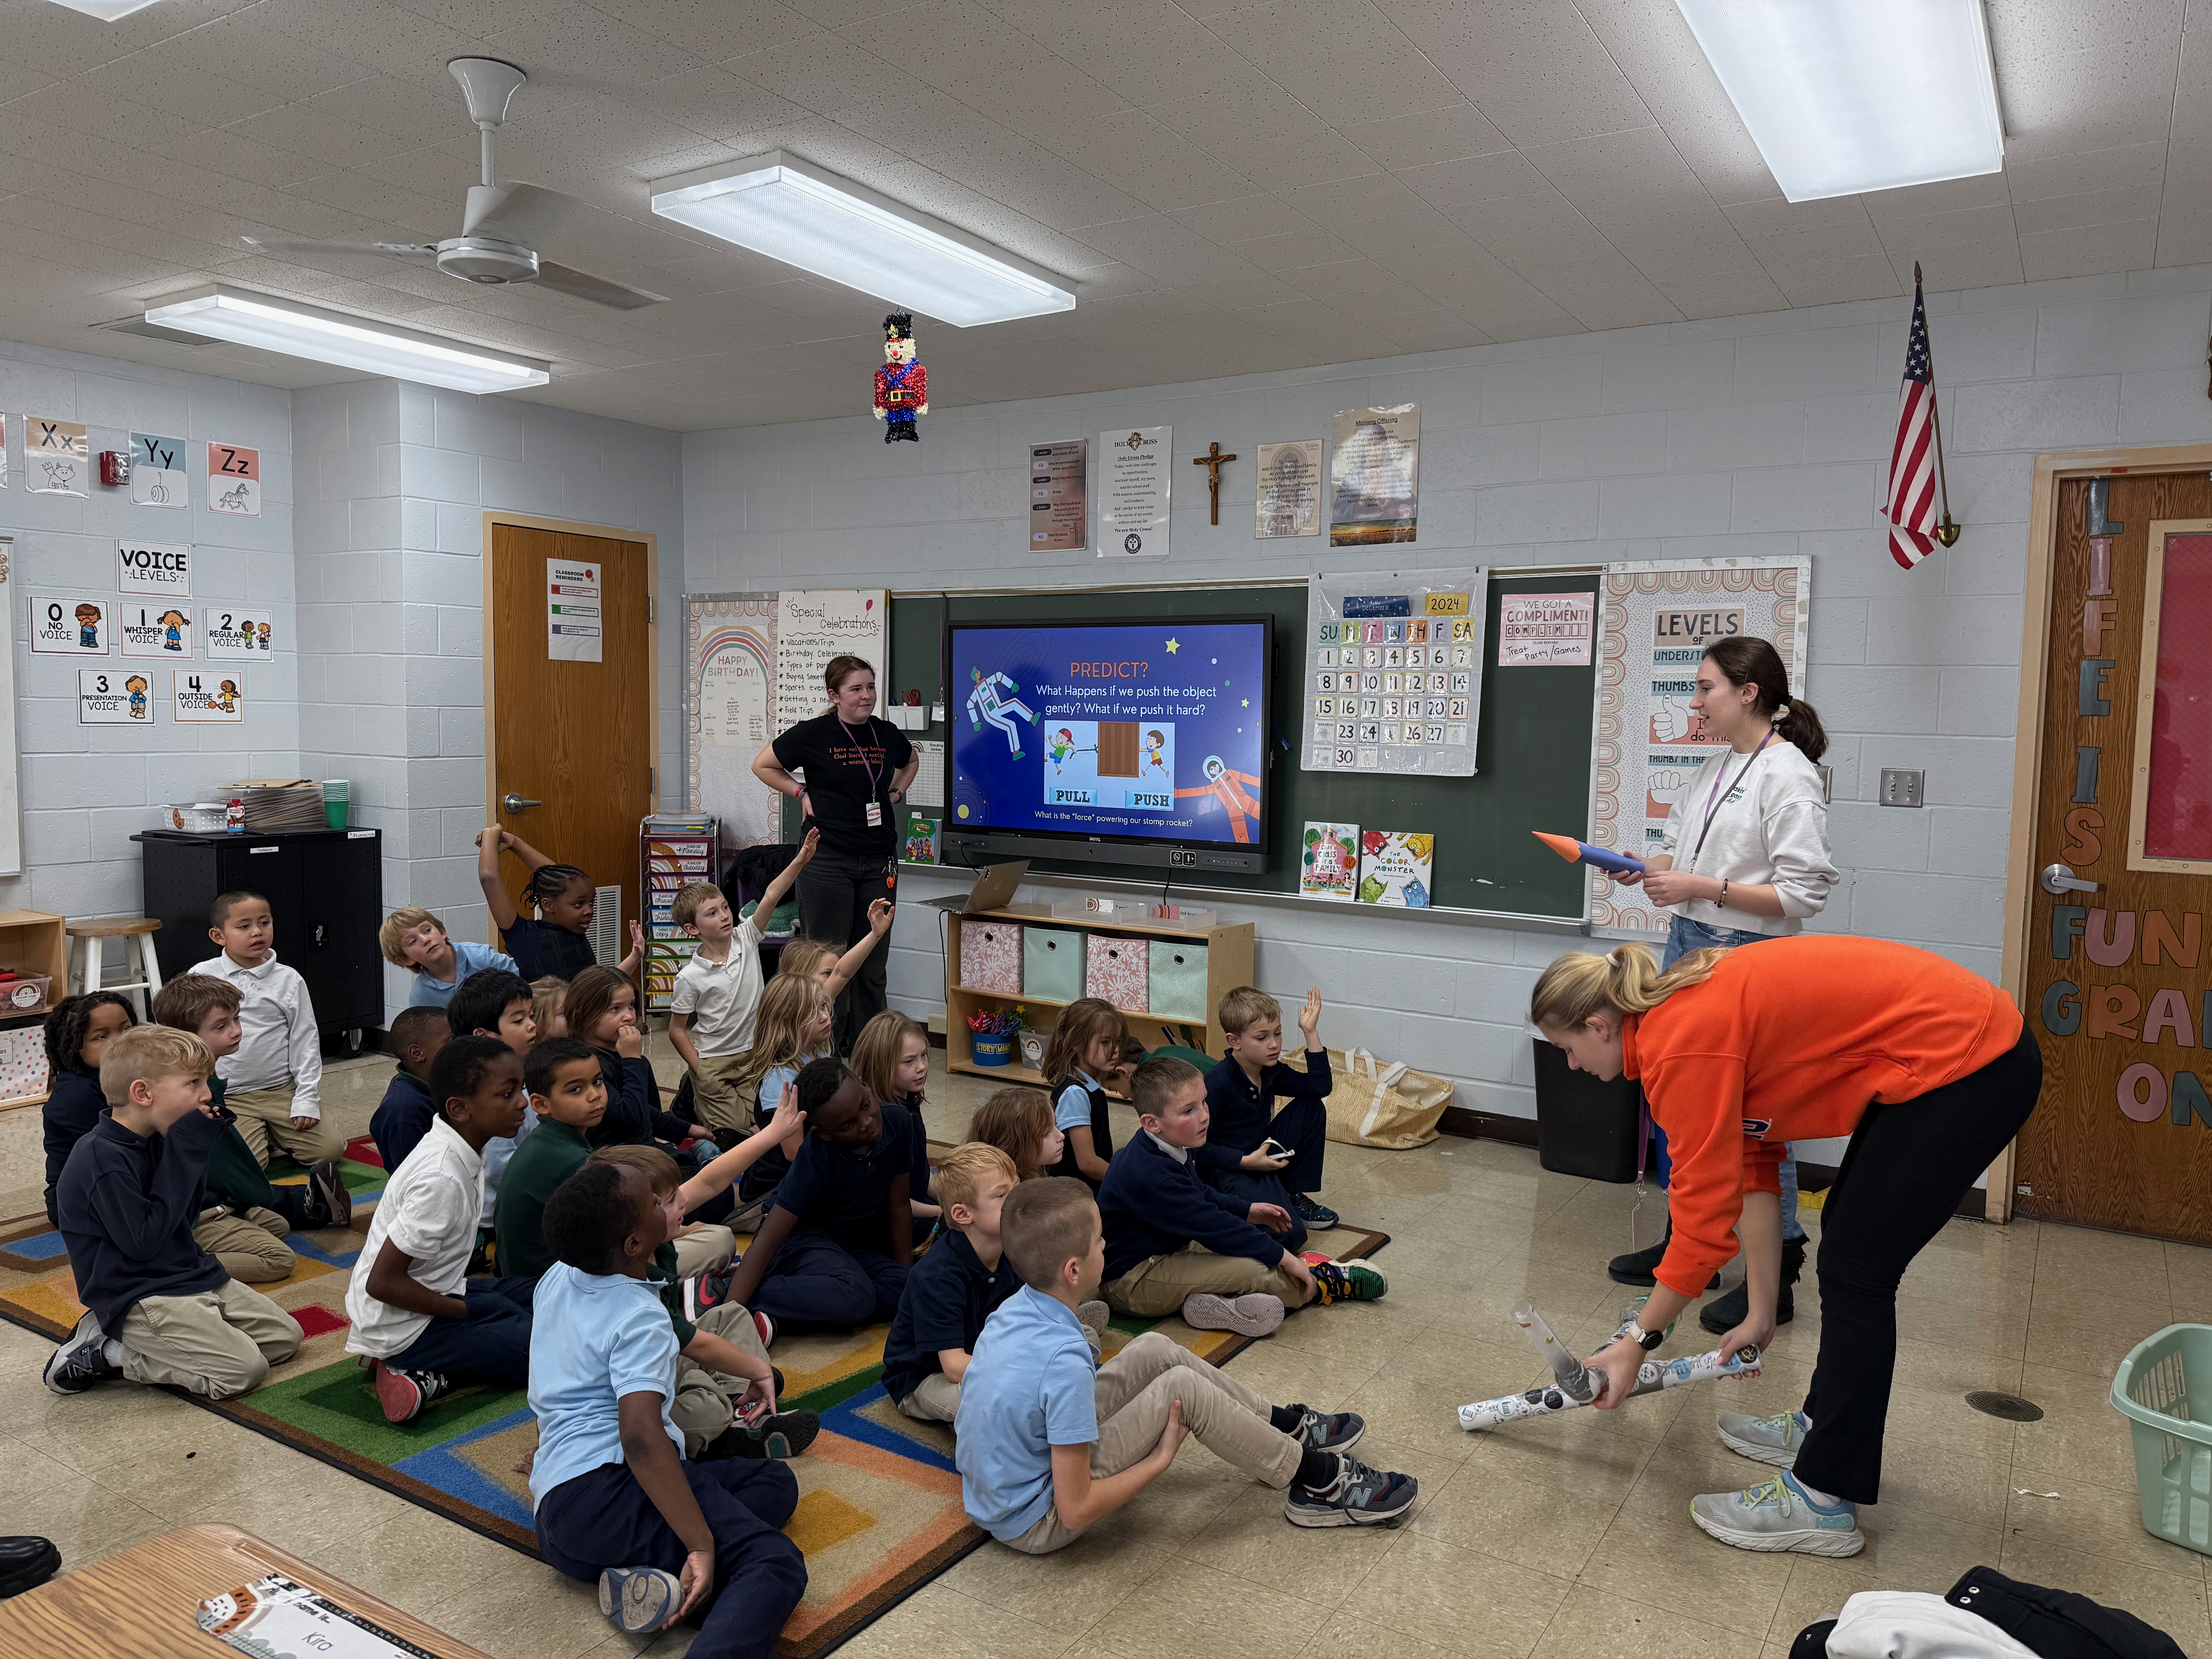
(1247, 1316)
(82, 1360)
(764, 1325)
(1347, 1281)
(705, 1290)
(1775, 1515)
(776, 1377)
(1095, 1316)
(329, 1203)
(1339, 1431)
(1770, 1439)
(785, 1435)
(1358, 1497)
(640, 1599)
(405, 1393)
(1317, 1215)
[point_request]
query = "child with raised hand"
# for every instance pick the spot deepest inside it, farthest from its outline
(162, 1309)
(415, 939)
(557, 940)
(615, 1503)
(274, 1080)
(794, 1029)
(1083, 1055)
(495, 1002)
(1050, 1441)
(812, 959)
(1254, 1151)
(77, 1033)
(422, 1321)
(1019, 1121)
(405, 1113)
(1173, 1244)
(602, 1010)
(891, 1055)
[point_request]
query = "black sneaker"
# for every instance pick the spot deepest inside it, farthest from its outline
(1358, 1497)
(785, 1435)
(404, 1395)
(82, 1360)
(329, 1203)
(775, 1377)
(1339, 1432)
(1642, 1267)
(705, 1290)
(26, 1563)
(1724, 1313)
(1318, 1216)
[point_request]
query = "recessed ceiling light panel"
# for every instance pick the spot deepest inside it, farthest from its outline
(793, 211)
(328, 336)
(107, 10)
(1843, 96)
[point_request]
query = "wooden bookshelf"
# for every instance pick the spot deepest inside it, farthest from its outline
(1228, 965)
(33, 942)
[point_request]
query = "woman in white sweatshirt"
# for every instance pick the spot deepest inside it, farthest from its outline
(1744, 859)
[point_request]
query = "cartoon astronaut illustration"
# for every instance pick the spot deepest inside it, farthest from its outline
(1229, 787)
(87, 626)
(988, 703)
(136, 685)
(175, 621)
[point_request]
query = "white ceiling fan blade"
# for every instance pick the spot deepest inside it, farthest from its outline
(386, 249)
(521, 214)
(582, 285)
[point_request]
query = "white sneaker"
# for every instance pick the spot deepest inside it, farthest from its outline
(1770, 1439)
(1256, 1315)
(1777, 1515)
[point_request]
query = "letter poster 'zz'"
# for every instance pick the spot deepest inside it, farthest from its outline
(1394, 672)
(1655, 621)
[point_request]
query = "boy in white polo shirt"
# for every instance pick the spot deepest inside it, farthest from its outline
(273, 1083)
(718, 992)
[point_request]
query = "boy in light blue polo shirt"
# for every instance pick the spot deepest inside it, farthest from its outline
(1049, 1442)
(615, 1501)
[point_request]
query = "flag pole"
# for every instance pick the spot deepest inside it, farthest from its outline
(1947, 531)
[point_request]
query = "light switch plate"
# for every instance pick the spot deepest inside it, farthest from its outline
(1901, 787)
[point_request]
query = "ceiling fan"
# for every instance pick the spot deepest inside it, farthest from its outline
(502, 224)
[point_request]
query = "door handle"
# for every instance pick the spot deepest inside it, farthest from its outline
(515, 802)
(2059, 879)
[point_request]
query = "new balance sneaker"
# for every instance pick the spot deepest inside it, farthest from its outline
(1770, 1439)
(1337, 1432)
(82, 1360)
(1777, 1515)
(405, 1393)
(1256, 1315)
(640, 1599)
(1348, 1281)
(1358, 1497)
(1317, 1215)
(329, 1203)
(784, 1435)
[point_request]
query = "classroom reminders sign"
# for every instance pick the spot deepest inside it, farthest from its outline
(1133, 490)
(573, 611)
(234, 477)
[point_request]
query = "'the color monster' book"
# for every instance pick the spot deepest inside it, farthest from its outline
(1393, 868)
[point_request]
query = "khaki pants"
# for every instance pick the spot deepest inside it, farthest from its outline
(935, 1398)
(704, 1399)
(1135, 1388)
(250, 1246)
(217, 1343)
(708, 1250)
(264, 1119)
(716, 1100)
(1155, 1289)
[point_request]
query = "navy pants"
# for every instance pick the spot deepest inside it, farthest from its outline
(1301, 1129)
(604, 1519)
(815, 1280)
(491, 1345)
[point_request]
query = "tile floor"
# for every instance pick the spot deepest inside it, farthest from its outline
(1563, 1538)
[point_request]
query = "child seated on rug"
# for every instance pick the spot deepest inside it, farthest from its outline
(405, 1113)
(1083, 1055)
(836, 1247)
(162, 1310)
(891, 1055)
(77, 1033)
(413, 938)
(1241, 1092)
(724, 1367)
(615, 1502)
(424, 1324)
(546, 996)
(493, 1002)
(957, 1285)
(1019, 1123)
(558, 940)
(796, 1014)
(1174, 1244)
(602, 1010)
(275, 1078)
(1051, 1442)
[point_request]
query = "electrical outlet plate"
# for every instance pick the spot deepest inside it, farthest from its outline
(1901, 787)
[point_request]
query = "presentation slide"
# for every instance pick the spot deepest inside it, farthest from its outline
(1154, 730)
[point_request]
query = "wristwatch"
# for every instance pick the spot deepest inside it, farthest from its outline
(1647, 1341)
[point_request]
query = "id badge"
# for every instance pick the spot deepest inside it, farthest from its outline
(875, 815)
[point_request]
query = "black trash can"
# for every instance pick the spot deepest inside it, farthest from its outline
(1584, 1127)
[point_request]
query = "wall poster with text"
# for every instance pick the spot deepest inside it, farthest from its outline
(731, 641)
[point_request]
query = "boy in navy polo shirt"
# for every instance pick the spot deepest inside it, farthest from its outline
(1241, 1092)
(405, 1113)
(1048, 1445)
(836, 1247)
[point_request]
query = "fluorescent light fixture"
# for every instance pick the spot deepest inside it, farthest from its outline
(108, 11)
(329, 337)
(1848, 95)
(796, 212)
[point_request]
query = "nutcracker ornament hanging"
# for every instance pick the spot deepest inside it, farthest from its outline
(902, 384)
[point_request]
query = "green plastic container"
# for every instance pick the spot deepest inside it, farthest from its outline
(2173, 1453)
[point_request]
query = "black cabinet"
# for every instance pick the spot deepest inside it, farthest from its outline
(325, 890)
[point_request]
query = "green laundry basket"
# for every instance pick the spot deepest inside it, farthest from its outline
(2173, 1451)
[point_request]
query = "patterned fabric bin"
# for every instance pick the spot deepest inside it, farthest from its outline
(1115, 971)
(990, 957)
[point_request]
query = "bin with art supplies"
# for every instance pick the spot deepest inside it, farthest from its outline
(992, 1035)
(2162, 1387)
(1585, 1126)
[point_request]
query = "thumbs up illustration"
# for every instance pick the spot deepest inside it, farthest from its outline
(1669, 720)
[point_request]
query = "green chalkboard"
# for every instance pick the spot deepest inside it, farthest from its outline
(1532, 747)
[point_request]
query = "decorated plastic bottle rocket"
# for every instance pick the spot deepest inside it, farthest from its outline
(1652, 1376)
(1580, 851)
(1570, 1373)
(902, 384)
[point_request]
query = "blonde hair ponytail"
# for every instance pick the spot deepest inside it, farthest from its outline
(1581, 984)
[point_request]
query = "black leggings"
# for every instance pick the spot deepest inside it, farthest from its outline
(834, 891)
(1906, 1167)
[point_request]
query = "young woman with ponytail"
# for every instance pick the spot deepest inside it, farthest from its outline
(1928, 1068)
(1744, 859)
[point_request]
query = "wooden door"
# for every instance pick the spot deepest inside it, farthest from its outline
(575, 736)
(2115, 987)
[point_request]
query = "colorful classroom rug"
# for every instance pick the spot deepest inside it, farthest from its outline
(879, 1512)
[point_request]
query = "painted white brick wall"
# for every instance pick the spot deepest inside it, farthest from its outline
(1755, 435)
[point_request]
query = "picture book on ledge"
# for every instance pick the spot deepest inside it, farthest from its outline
(1394, 868)
(1329, 862)
(921, 840)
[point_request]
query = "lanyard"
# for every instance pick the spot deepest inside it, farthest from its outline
(1719, 793)
(867, 732)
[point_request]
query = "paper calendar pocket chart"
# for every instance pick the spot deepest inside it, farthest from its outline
(990, 957)
(1394, 672)
(1177, 990)
(1052, 965)
(1116, 970)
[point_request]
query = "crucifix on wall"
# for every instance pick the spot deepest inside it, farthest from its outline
(1214, 460)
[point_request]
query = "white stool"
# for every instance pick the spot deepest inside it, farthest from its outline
(86, 967)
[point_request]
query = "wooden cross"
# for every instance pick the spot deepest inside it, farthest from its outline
(1214, 460)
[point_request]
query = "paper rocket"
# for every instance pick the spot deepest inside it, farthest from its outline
(1580, 851)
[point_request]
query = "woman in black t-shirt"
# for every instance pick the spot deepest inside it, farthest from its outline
(857, 769)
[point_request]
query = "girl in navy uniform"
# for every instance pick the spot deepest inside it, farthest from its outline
(1085, 1055)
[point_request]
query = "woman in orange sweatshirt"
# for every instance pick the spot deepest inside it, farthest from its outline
(1928, 1069)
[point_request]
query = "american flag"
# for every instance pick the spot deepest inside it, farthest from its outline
(1912, 458)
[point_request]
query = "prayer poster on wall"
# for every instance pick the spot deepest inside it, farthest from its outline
(1544, 630)
(1133, 487)
(575, 630)
(210, 696)
(1060, 511)
(234, 480)
(153, 569)
(1655, 621)
(1394, 672)
(157, 471)
(56, 456)
(107, 697)
(731, 686)
(152, 629)
(238, 633)
(814, 625)
(70, 628)
(1374, 477)
(1289, 499)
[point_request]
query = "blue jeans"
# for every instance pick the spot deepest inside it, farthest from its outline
(1684, 936)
